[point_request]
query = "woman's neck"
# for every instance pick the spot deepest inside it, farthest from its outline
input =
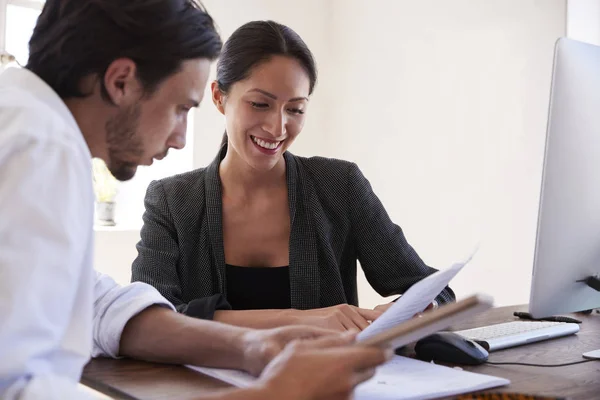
(239, 177)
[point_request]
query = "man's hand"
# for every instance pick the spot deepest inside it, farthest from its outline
(325, 368)
(342, 317)
(261, 346)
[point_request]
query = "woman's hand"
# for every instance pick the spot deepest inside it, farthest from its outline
(340, 318)
(384, 307)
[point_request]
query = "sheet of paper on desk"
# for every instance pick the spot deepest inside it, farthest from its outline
(232, 376)
(405, 378)
(401, 378)
(415, 300)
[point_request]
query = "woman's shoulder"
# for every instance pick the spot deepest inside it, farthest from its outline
(326, 168)
(183, 182)
(332, 178)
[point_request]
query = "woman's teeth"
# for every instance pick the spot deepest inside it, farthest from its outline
(265, 145)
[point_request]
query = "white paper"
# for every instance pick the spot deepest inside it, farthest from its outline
(415, 300)
(400, 378)
(406, 378)
(232, 376)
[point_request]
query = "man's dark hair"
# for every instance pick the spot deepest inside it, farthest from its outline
(75, 38)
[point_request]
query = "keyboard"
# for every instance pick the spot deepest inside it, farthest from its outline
(516, 333)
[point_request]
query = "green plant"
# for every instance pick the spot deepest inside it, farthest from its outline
(105, 185)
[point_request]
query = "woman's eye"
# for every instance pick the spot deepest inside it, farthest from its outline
(296, 111)
(259, 105)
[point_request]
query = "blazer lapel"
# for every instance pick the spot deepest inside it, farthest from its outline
(304, 262)
(303, 252)
(214, 213)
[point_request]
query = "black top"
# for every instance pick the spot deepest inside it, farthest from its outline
(258, 288)
(335, 221)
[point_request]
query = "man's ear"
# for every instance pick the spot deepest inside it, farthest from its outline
(121, 82)
(218, 97)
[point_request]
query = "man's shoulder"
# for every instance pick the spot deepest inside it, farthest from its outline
(24, 117)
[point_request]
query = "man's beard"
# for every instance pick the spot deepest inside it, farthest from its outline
(125, 148)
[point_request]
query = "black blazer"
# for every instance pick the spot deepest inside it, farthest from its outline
(336, 219)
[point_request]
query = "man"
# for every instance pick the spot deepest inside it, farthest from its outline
(115, 79)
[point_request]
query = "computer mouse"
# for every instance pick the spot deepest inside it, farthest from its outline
(451, 348)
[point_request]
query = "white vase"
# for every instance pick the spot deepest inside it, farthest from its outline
(105, 213)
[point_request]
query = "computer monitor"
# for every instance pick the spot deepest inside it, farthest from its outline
(567, 250)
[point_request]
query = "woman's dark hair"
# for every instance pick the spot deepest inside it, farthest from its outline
(76, 38)
(257, 42)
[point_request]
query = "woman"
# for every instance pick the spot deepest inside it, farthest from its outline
(261, 237)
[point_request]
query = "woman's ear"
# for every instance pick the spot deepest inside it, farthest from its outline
(218, 97)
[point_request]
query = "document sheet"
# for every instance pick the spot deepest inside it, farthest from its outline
(400, 378)
(414, 301)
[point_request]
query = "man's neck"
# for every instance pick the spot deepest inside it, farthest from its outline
(91, 121)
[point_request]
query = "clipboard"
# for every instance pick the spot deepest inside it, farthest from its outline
(431, 322)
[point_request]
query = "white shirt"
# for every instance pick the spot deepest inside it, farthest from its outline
(55, 310)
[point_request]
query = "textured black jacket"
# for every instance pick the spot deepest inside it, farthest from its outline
(336, 219)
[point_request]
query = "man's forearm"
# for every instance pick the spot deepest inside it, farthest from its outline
(162, 335)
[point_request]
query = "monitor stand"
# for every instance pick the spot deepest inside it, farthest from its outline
(593, 282)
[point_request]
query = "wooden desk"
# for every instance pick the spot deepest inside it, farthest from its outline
(127, 379)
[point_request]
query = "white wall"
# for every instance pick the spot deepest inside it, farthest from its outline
(583, 20)
(114, 252)
(443, 106)
(442, 103)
